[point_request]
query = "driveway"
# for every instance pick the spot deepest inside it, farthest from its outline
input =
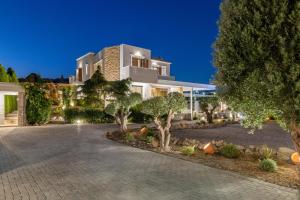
(271, 134)
(78, 162)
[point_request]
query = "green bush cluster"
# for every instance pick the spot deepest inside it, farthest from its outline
(268, 165)
(265, 152)
(93, 116)
(38, 106)
(230, 151)
(149, 139)
(137, 116)
(188, 150)
(11, 104)
(129, 137)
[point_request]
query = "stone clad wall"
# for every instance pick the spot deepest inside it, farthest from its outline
(21, 109)
(111, 63)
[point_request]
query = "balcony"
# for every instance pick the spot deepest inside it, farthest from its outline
(170, 78)
(145, 75)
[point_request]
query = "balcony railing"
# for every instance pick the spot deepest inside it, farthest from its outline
(171, 78)
(140, 74)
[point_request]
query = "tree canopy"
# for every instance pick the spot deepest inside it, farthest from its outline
(162, 106)
(257, 55)
(208, 105)
(94, 90)
(120, 108)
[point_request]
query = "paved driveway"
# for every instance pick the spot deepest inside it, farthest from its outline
(78, 162)
(271, 134)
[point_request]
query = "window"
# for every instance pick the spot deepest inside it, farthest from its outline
(86, 68)
(79, 74)
(135, 62)
(137, 89)
(139, 62)
(159, 92)
(162, 70)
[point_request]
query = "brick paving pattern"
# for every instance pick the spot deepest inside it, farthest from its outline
(78, 162)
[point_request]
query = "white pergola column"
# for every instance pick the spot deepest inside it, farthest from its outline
(191, 103)
(2, 109)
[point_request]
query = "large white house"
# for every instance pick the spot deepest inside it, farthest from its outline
(150, 76)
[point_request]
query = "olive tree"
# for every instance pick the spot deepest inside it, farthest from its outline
(158, 108)
(120, 108)
(208, 105)
(257, 55)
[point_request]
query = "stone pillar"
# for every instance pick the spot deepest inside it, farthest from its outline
(21, 109)
(2, 109)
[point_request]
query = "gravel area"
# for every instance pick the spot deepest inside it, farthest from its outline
(271, 134)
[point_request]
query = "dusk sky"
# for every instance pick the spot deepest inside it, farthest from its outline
(46, 37)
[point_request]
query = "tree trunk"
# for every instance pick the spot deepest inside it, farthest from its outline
(164, 132)
(161, 134)
(123, 125)
(209, 117)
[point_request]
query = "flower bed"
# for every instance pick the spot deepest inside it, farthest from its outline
(246, 163)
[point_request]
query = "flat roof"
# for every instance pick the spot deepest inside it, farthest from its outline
(198, 86)
(11, 87)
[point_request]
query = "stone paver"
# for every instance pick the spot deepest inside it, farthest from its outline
(78, 162)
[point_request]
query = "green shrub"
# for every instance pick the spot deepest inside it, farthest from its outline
(38, 106)
(149, 139)
(129, 137)
(265, 152)
(230, 151)
(188, 150)
(137, 116)
(93, 116)
(11, 103)
(268, 165)
(150, 132)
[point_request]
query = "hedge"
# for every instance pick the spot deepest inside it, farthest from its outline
(11, 104)
(93, 116)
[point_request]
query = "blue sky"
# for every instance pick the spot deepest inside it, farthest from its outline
(46, 37)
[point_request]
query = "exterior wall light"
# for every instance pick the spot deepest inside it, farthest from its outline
(295, 158)
(138, 54)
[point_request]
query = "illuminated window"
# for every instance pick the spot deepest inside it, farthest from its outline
(137, 89)
(139, 62)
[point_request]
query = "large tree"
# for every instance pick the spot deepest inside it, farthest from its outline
(163, 110)
(257, 55)
(120, 108)
(208, 105)
(12, 76)
(3, 74)
(94, 90)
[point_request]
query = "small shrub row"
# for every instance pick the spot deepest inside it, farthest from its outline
(93, 116)
(230, 151)
(188, 150)
(268, 165)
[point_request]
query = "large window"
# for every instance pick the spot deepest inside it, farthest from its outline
(156, 92)
(137, 89)
(139, 62)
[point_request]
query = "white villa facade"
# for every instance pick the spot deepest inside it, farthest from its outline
(150, 76)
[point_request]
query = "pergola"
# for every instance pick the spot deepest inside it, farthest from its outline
(190, 87)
